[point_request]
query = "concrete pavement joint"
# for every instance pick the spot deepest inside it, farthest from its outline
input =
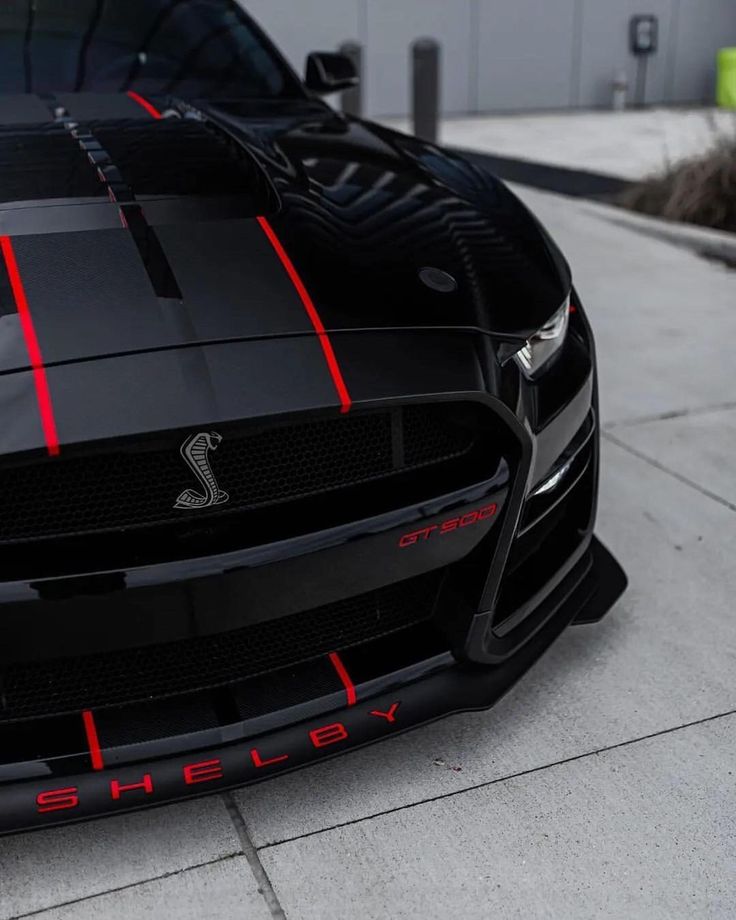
(665, 416)
(144, 881)
(664, 469)
(250, 852)
(500, 779)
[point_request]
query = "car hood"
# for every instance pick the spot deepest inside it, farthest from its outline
(130, 232)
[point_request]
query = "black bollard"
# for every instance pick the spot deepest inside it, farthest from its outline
(352, 99)
(425, 57)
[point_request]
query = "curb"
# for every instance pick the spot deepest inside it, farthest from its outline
(713, 244)
(562, 180)
(594, 192)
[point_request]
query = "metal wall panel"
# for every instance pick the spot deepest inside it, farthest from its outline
(703, 26)
(392, 25)
(527, 54)
(307, 25)
(510, 55)
(604, 50)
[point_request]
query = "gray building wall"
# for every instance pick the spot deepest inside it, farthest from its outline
(510, 55)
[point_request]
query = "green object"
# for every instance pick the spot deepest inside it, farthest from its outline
(726, 86)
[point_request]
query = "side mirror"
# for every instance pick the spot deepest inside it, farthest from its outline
(329, 72)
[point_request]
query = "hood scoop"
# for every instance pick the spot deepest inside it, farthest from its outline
(141, 175)
(176, 169)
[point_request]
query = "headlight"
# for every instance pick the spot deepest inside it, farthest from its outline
(544, 345)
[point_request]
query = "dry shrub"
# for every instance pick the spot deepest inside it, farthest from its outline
(699, 191)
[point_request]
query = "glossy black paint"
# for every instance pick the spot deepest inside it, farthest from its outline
(181, 317)
(410, 697)
(360, 210)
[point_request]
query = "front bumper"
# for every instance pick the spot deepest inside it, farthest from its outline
(242, 754)
(129, 688)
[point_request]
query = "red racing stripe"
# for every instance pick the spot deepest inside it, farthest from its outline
(324, 340)
(43, 396)
(145, 104)
(93, 742)
(342, 673)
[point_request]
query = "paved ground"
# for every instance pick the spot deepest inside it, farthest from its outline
(603, 786)
(629, 144)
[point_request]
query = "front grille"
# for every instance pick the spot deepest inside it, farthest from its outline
(137, 485)
(67, 685)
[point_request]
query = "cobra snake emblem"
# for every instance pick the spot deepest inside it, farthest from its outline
(195, 452)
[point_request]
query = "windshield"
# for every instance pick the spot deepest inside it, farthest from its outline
(186, 47)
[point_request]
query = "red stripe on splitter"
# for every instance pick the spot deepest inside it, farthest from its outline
(324, 340)
(145, 104)
(342, 673)
(43, 396)
(93, 742)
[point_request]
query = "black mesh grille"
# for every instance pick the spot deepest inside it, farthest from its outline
(139, 485)
(73, 684)
(426, 439)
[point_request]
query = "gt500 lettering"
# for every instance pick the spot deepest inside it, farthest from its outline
(449, 526)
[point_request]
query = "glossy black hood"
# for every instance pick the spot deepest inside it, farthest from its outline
(135, 232)
(364, 209)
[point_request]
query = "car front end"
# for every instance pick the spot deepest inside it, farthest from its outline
(300, 444)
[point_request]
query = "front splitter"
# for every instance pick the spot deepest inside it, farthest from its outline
(457, 688)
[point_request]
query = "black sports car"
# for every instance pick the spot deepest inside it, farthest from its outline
(299, 442)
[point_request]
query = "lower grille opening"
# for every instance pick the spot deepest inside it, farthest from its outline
(56, 745)
(112, 679)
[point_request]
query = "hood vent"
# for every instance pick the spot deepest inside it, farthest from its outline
(44, 162)
(184, 157)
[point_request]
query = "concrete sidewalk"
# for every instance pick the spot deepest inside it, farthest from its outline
(603, 786)
(628, 145)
